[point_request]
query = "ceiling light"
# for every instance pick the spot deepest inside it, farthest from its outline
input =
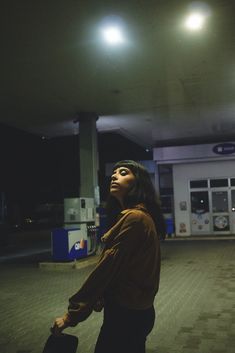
(195, 21)
(113, 35)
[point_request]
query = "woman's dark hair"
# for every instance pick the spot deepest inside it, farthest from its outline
(142, 191)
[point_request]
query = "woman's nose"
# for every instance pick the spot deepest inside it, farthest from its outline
(113, 177)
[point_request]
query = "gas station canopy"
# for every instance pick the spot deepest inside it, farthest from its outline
(156, 72)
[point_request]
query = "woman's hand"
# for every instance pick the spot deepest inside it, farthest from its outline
(59, 325)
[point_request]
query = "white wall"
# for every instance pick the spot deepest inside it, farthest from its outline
(182, 173)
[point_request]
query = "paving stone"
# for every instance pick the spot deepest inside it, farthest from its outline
(195, 304)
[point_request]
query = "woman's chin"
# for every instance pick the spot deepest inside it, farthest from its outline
(114, 193)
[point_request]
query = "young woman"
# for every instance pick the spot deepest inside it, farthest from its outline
(126, 278)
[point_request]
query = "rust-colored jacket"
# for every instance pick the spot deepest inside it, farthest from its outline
(128, 270)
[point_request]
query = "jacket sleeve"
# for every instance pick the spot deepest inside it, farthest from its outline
(82, 303)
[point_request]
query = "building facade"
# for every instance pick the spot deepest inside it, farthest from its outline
(201, 183)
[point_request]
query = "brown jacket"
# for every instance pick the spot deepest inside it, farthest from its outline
(128, 270)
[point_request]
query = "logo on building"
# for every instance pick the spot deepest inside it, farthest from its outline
(224, 148)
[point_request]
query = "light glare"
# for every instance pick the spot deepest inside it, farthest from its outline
(195, 21)
(113, 35)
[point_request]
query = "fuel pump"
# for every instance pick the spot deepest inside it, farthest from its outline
(77, 239)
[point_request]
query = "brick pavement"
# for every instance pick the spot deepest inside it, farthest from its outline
(195, 305)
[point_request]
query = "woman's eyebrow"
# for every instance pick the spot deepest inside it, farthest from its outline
(115, 170)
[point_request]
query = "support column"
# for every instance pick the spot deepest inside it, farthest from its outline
(88, 151)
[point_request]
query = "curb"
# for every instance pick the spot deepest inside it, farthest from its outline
(73, 265)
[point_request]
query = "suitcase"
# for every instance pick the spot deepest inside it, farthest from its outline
(61, 344)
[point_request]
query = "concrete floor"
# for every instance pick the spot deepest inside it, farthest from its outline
(195, 305)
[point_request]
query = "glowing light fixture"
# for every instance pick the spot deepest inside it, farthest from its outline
(195, 21)
(113, 35)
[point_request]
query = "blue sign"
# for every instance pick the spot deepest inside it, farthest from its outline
(224, 148)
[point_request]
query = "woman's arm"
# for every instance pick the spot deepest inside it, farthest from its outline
(82, 303)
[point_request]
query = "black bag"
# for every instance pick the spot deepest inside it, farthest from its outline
(61, 344)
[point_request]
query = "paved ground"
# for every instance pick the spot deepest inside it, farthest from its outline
(195, 305)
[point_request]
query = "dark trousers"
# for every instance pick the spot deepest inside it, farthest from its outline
(124, 330)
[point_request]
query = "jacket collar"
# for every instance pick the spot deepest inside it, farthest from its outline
(111, 233)
(139, 206)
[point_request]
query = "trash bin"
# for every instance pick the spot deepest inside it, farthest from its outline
(169, 226)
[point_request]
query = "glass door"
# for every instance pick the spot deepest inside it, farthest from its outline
(200, 216)
(220, 211)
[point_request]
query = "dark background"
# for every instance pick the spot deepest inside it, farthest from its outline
(36, 171)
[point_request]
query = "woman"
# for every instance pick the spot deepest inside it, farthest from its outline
(126, 278)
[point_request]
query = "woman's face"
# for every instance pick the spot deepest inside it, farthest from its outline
(121, 181)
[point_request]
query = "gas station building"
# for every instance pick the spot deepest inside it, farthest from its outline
(200, 184)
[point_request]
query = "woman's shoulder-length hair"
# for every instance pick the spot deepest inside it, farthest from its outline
(142, 191)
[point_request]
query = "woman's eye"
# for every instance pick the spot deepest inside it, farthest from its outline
(123, 172)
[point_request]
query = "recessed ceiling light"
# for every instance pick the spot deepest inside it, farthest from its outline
(113, 35)
(195, 21)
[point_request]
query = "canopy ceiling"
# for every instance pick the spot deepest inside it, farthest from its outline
(163, 84)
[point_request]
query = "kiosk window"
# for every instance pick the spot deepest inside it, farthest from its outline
(233, 182)
(220, 201)
(218, 183)
(199, 202)
(196, 184)
(167, 203)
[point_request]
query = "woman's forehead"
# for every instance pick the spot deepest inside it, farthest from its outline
(120, 167)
